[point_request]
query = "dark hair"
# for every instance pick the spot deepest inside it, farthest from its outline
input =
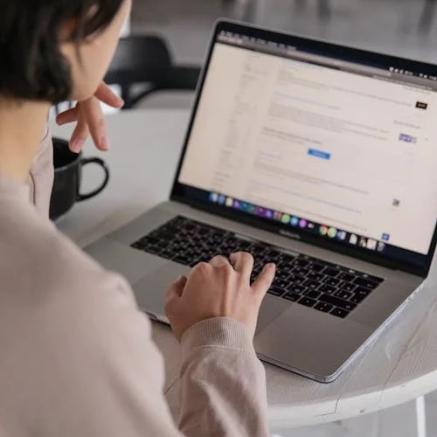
(32, 66)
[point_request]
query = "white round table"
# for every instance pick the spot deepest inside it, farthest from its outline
(401, 365)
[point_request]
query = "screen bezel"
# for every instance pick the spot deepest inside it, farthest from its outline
(182, 193)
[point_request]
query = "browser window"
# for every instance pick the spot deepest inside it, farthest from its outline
(349, 150)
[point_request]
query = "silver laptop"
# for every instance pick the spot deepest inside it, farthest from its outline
(317, 157)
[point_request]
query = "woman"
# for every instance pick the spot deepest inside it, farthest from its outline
(77, 357)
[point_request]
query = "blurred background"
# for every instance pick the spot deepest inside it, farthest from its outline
(158, 63)
(403, 27)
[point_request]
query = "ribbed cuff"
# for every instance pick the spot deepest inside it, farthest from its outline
(219, 332)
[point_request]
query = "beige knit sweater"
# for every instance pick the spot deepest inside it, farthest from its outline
(76, 354)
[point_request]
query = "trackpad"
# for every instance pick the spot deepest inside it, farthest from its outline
(150, 294)
(271, 308)
(150, 290)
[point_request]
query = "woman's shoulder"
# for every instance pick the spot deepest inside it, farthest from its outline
(37, 261)
(76, 324)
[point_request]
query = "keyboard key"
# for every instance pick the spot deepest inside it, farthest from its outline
(349, 306)
(357, 298)
(296, 288)
(374, 279)
(343, 294)
(280, 283)
(307, 301)
(359, 295)
(327, 289)
(299, 279)
(283, 274)
(324, 307)
(349, 287)
(331, 272)
(363, 291)
(318, 277)
(347, 277)
(334, 282)
(168, 254)
(166, 236)
(272, 256)
(313, 294)
(194, 263)
(153, 250)
(181, 259)
(287, 259)
(363, 282)
(257, 250)
(291, 296)
(311, 285)
(318, 268)
(301, 271)
(275, 291)
(339, 312)
(302, 262)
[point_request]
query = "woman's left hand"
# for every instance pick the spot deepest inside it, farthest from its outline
(90, 119)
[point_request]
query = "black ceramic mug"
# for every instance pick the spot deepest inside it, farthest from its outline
(68, 176)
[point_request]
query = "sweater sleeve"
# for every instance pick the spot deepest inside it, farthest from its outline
(223, 383)
(100, 374)
(223, 390)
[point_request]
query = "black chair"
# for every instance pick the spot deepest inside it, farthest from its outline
(145, 59)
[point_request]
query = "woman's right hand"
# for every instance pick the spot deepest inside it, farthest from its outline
(220, 288)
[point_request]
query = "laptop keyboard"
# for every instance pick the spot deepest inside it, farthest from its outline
(312, 282)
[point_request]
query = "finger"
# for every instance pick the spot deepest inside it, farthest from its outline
(105, 94)
(96, 122)
(243, 263)
(180, 284)
(264, 280)
(176, 289)
(79, 136)
(219, 261)
(67, 116)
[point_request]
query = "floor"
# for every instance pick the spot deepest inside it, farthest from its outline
(400, 27)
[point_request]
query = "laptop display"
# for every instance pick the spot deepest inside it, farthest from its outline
(336, 147)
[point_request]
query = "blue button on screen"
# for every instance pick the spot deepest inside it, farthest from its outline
(319, 154)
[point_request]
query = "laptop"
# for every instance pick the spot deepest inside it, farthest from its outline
(317, 157)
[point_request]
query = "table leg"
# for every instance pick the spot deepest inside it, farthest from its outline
(421, 416)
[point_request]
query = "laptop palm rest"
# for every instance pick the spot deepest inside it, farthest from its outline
(150, 291)
(271, 309)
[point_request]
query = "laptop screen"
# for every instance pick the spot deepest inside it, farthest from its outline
(319, 145)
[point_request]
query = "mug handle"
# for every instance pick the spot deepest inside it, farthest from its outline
(101, 163)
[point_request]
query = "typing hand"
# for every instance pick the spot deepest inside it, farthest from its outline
(220, 288)
(90, 119)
